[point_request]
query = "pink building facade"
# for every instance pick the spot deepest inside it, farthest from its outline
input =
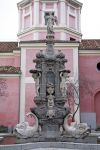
(17, 87)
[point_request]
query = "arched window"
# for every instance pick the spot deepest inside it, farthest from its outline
(98, 66)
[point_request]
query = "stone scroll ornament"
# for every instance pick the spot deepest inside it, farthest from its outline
(24, 130)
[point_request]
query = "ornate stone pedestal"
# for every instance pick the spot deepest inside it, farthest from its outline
(50, 102)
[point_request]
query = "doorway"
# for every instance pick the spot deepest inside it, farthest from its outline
(97, 107)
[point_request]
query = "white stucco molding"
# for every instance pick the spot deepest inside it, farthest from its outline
(76, 78)
(56, 10)
(9, 75)
(89, 52)
(57, 45)
(75, 2)
(43, 28)
(43, 10)
(14, 53)
(63, 14)
(36, 13)
(24, 3)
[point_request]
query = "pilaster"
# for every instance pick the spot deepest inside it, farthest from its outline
(62, 12)
(79, 23)
(19, 18)
(22, 86)
(67, 16)
(42, 11)
(22, 20)
(31, 18)
(76, 20)
(36, 12)
(76, 80)
(56, 10)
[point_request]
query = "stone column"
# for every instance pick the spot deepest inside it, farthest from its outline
(62, 13)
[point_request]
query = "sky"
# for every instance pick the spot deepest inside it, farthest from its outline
(90, 19)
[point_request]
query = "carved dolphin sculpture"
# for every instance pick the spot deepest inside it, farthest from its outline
(24, 130)
(77, 130)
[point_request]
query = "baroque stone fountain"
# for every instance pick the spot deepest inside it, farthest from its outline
(50, 115)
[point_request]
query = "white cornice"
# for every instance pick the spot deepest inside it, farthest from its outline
(43, 45)
(43, 29)
(75, 2)
(23, 3)
(10, 75)
(89, 52)
(14, 53)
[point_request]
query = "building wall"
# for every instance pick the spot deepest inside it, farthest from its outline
(9, 100)
(89, 85)
(9, 60)
(9, 90)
